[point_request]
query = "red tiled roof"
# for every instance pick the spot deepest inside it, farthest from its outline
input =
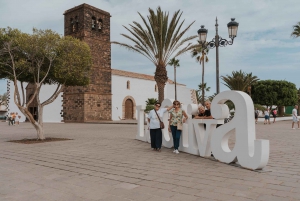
(138, 75)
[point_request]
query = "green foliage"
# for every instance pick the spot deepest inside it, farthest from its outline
(199, 92)
(200, 53)
(150, 102)
(174, 62)
(239, 80)
(259, 107)
(159, 40)
(296, 31)
(44, 57)
(274, 92)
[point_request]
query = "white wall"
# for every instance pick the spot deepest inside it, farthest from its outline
(140, 90)
(183, 94)
(51, 111)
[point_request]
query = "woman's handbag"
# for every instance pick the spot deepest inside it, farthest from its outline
(162, 125)
(179, 126)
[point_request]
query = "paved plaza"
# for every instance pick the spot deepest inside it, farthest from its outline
(105, 162)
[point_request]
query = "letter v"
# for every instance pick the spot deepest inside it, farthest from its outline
(203, 136)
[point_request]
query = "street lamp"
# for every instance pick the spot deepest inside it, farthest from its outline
(218, 42)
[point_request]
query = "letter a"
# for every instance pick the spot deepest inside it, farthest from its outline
(250, 153)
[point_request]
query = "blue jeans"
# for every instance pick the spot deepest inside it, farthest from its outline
(176, 136)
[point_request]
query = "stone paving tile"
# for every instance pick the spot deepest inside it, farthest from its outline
(97, 166)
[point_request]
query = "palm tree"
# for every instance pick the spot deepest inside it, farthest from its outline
(201, 56)
(174, 62)
(296, 32)
(239, 80)
(159, 41)
(150, 102)
(200, 95)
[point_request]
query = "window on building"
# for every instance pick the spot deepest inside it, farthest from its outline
(155, 88)
(76, 23)
(128, 84)
(93, 23)
(100, 24)
(72, 25)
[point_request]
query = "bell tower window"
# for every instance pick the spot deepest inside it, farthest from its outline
(93, 23)
(100, 24)
(76, 23)
(72, 25)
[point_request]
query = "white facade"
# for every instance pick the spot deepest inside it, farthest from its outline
(125, 85)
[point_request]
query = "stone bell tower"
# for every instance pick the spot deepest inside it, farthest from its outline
(93, 102)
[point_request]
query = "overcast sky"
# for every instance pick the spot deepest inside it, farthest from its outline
(263, 45)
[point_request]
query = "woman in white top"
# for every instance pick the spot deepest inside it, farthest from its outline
(17, 119)
(154, 125)
(267, 116)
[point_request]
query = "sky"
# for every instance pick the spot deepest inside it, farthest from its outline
(263, 45)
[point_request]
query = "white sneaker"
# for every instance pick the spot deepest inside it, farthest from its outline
(293, 128)
(176, 151)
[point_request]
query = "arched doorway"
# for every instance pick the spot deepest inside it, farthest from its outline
(128, 109)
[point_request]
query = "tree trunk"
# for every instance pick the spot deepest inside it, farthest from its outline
(280, 110)
(203, 93)
(40, 129)
(36, 125)
(161, 78)
(175, 82)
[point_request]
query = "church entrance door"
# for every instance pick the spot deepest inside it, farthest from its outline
(128, 109)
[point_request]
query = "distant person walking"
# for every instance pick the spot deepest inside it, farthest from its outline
(10, 120)
(256, 115)
(295, 117)
(17, 119)
(274, 113)
(13, 119)
(267, 116)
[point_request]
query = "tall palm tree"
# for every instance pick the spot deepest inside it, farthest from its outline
(200, 95)
(201, 56)
(296, 32)
(174, 62)
(159, 41)
(239, 80)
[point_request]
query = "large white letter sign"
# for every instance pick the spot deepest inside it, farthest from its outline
(143, 133)
(250, 153)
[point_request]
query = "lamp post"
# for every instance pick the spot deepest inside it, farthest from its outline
(218, 42)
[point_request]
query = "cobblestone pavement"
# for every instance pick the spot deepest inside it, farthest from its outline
(105, 162)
